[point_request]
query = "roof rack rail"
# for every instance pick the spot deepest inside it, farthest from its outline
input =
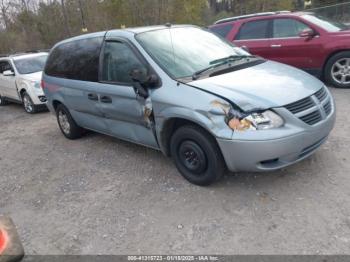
(235, 18)
(24, 52)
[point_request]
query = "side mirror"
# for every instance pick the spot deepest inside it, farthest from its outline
(308, 34)
(140, 76)
(143, 81)
(8, 73)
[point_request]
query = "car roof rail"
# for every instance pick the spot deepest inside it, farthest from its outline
(235, 18)
(28, 52)
(37, 51)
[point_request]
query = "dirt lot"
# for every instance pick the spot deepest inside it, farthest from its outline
(100, 195)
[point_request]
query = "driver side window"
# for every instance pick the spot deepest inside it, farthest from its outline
(287, 27)
(118, 61)
(4, 66)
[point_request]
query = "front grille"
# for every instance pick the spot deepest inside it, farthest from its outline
(300, 105)
(313, 109)
(312, 118)
(322, 94)
(328, 107)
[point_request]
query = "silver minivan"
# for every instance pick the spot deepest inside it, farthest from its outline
(190, 94)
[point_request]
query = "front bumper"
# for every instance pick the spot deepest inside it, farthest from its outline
(261, 152)
(37, 95)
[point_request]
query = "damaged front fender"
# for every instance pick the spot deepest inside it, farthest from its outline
(211, 119)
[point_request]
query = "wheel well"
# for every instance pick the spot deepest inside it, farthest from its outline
(22, 92)
(55, 104)
(329, 57)
(170, 126)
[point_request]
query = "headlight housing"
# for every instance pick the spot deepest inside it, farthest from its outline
(35, 84)
(256, 121)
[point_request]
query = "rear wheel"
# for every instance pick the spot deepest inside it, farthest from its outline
(67, 124)
(197, 155)
(337, 70)
(3, 101)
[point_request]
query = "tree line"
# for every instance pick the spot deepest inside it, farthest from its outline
(39, 24)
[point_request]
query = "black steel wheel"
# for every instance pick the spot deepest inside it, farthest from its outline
(197, 155)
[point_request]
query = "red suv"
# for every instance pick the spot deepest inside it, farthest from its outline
(301, 39)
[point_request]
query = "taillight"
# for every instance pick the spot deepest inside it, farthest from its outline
(42, 84)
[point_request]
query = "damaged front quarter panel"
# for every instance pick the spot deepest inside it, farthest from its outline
(218, 114)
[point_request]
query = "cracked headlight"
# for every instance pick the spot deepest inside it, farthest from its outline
(256, 121)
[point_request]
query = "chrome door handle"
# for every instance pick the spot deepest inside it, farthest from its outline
(93, 97)
(276, 46)
(106, 99)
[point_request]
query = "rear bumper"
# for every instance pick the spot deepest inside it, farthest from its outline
(267, 155)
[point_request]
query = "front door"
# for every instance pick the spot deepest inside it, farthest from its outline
(123, 110)
(7, 83)
(289, 48)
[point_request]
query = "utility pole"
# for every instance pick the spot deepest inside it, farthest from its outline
(65, 18)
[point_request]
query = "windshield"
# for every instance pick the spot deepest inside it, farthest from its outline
(326, 23)
(181, 52)
(30, 65)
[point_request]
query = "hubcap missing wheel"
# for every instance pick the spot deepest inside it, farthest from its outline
(192, 157)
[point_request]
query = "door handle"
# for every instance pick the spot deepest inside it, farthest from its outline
(106, 99)
(276, 46)
(93, 97)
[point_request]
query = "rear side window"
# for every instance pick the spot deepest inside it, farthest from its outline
(254, 30)
(287, 27)
(78, 60)
(222, 30)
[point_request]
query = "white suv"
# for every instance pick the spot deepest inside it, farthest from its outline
(20, 77)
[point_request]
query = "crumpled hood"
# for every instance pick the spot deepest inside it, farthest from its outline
(33, 77)
(263, 86)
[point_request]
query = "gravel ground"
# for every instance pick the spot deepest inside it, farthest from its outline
(100, 195)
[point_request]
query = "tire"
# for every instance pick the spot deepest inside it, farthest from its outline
(67, 124)
(197, 155)
(3, 102)
(337, 70)
(28, 104)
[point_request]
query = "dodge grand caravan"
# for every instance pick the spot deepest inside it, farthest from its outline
(190, 94)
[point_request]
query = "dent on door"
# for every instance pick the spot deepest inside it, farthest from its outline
(131, 118)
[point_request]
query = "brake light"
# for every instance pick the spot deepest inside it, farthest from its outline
(3, 240)
(42, 84)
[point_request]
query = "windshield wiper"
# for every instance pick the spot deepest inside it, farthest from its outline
(219, 62)
(230, 58)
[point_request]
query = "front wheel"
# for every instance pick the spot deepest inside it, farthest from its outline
(197, 155)
(28, 104)
(67, 124)
(337, 70)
